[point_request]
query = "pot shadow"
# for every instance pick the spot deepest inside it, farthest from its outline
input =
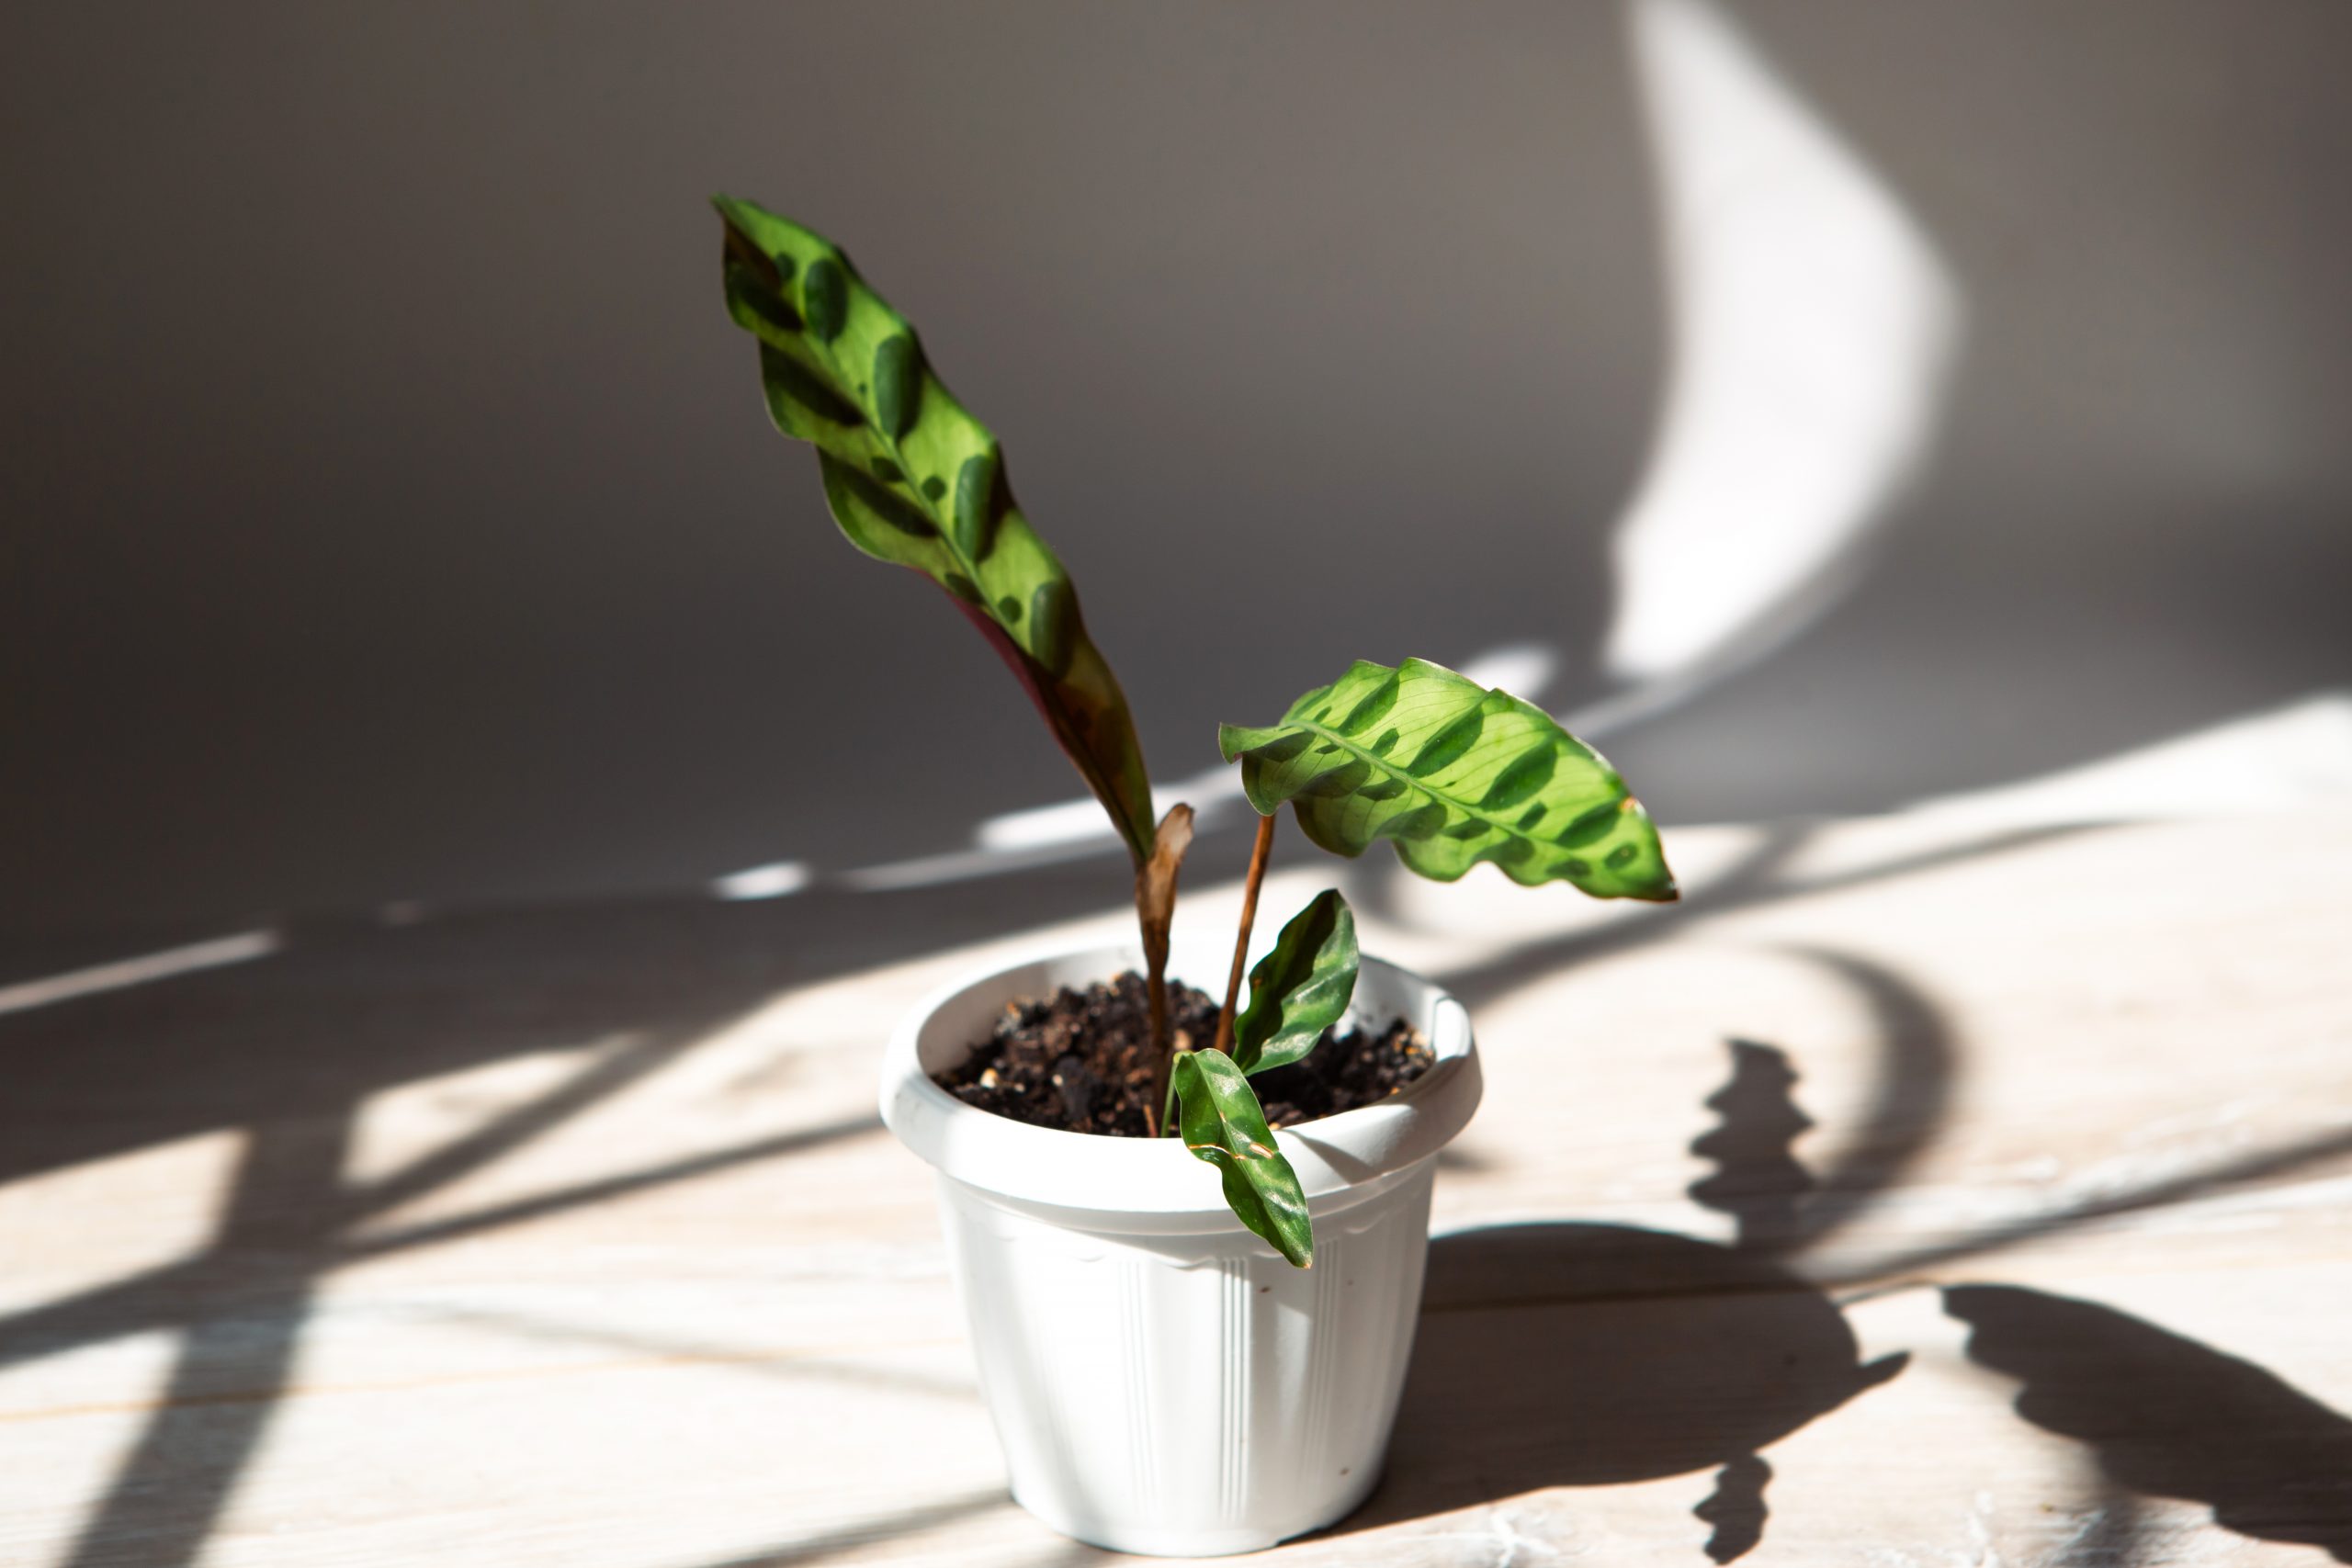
(1587, 1355)
(1567, 1354)
(2169, 1416)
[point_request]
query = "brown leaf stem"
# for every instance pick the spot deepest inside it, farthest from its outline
(1155, 912)
(1258, 853)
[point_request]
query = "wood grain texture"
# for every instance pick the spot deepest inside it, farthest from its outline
(2021, 1234)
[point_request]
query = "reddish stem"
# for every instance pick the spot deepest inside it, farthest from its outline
(1241, 939)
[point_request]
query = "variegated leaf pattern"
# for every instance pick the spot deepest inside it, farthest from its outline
(1453, 774)
(1301, 988)
(913, 479)
(1223, 1124)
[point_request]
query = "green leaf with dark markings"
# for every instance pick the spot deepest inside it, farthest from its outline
(1223, 1124)
(914, 479)
(1453, 774)
(1300, 988)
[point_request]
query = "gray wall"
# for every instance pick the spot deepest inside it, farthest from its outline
(390, 512)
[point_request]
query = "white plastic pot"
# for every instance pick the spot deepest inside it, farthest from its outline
(1161, 1380)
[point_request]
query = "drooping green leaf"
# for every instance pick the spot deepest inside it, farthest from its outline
(914, 479)
(1453, 774)
(1300, 988)
(1223, 1124)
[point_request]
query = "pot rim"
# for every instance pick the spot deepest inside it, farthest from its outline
(1078, 1175)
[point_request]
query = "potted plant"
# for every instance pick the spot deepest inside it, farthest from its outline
(1177, 1367)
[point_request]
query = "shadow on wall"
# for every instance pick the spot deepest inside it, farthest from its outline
(2170, 1417)
(1812, 326)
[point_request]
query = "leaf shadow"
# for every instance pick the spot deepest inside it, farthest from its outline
(2169, 1416)
(1758, 1180)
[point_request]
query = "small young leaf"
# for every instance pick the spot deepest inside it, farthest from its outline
(1300, 988)
(1224, 1125)
(1155, 880)
(1451, 774)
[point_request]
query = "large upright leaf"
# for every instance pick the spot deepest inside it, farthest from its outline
(914, 479)
(1300, 988)
(1224, 1125)
(1453, 774)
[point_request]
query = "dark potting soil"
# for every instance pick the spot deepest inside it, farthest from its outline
(1081, 1061)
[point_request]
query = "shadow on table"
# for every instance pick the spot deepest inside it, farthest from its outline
(286, 1050)
(1583, 1355)
(1580, 1355)
(2170, 1417)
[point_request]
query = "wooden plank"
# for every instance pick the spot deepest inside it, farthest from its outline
(566, 1237)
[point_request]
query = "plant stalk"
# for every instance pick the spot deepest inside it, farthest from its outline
(1155, 912)
(1163, 1049)
(1258, 855)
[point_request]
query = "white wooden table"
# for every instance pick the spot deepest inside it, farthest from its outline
(568, 1236)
